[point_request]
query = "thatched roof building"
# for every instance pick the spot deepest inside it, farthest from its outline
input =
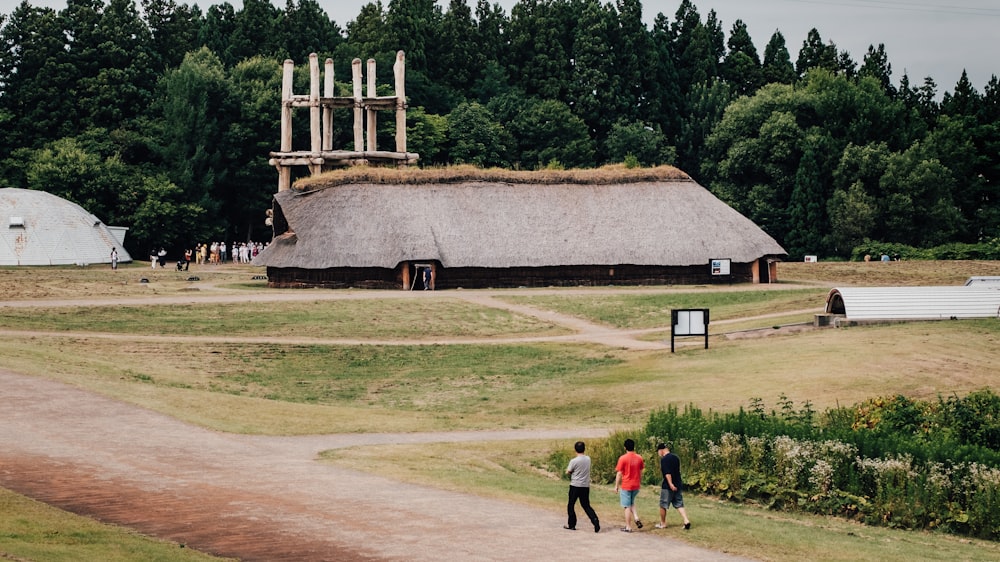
(474, 228)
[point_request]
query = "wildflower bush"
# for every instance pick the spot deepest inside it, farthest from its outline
(889, 461)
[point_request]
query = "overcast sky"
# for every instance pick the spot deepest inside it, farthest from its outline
(936, 38)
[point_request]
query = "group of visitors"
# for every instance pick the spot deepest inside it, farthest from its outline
(204, 254)
(628, 482)
(218, 252)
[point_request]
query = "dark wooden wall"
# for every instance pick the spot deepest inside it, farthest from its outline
(483, 277)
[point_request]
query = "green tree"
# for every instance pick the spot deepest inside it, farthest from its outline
(215, 34)
(37, 77)
(807, 204)
(426, 135)
(414, 26)
(777, 64)
(965, 100)
(119, 78)
(255, 32)
(636, 63)
(876, 65)
(816, 54)
(458, 61)
(175, 29)
(852, 213)
(193, 111)
(475, 137)
(593, 92)
(162, 216)
(539, 48)
(67, 169)
(304, 28)
(646, 143)
(917, 208)
(546, 131)
(664, 93)
(706, 104)
(742, 67)
(246, 188)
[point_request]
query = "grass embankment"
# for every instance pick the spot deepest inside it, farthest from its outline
(30, 530)
(289, 388)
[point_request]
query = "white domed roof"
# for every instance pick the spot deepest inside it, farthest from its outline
(38, 228)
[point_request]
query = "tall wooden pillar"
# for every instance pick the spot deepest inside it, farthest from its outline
(315, 132)
(359, 124)
(371, 112)
(287, 75)
(327, 109)
(399, 71)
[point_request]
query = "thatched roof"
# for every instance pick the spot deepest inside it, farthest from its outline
(500, 219)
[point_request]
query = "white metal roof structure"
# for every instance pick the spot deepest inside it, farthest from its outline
(39, 228)
(915, 303)
(992, 280)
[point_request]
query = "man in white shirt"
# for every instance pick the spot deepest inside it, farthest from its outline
(579, 488)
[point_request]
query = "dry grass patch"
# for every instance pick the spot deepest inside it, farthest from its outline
(610, 174)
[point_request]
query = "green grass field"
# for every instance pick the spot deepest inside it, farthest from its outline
(176, 358)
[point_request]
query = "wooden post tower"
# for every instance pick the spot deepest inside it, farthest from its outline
(321, 155)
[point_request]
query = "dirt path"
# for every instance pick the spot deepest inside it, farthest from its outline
(266, 498)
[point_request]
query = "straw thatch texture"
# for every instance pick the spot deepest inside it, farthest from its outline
(496, 224)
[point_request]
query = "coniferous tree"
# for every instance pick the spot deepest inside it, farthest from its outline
(816, 54)
(777, 64)
(457, 59)
(216, 34)
(742, 67)
(593, 93)
(304, 28)
(37, 79)
(176, 29)
(876, 65)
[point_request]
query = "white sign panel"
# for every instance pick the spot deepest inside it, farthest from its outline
(721, 266)
(690, 323)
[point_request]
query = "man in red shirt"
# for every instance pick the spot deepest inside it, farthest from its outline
(628, 480)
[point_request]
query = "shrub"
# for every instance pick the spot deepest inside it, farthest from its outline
(889, 461)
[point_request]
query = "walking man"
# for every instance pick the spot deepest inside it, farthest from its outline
(579, 488)
(628, 480)
(670, 490)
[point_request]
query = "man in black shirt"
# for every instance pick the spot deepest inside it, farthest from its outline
(670, 490)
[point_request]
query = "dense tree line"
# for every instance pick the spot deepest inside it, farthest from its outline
(160, 116)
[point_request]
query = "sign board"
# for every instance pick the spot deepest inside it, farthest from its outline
(811, 259)
(721, 266)
(688, 322)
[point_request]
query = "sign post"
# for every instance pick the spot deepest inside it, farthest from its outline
(688, 322)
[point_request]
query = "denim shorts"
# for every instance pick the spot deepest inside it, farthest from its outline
(669, 498)
(628, 497)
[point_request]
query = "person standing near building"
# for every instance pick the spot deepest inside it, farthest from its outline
(114, 258)
(579, 488)
(670, 490)
(628, 480)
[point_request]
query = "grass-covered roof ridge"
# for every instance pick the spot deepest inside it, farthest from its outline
(605, 175)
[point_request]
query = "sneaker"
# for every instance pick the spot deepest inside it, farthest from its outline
(687, 526)
(626, 530)
(568, 528)
(658, 526)
(638, 523)
(597, 527)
